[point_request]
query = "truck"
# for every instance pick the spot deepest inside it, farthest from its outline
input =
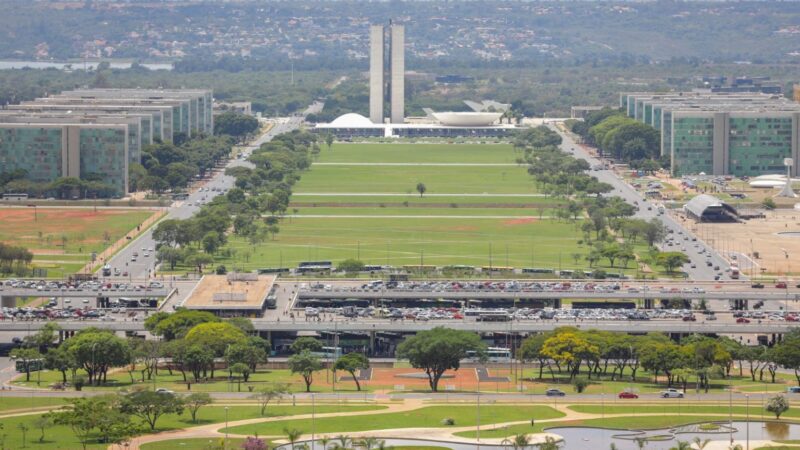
(107, 270)
(734, 271)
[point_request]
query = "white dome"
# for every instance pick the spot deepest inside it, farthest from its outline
(351, 120)
(467, 119)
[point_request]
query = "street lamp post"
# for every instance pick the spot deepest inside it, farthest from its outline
(730, 414)
(747, 423)
(313, 423)
(478, 431)
(226, 427)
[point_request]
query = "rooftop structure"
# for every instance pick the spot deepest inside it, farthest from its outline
(234, 294)
(707, 208)
(353, 125)
(741, 134)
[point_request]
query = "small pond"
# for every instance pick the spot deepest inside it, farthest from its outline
(583, 438)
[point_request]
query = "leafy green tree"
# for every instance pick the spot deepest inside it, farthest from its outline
(245, 353)
(671, 260)
(42, 423)
(97, 351)
(351, 363)
(150, 405)
(235, 124)
(195, 401)
(350, 266)
(306, 343)
(60, 359)
(787, 353)
(100, 415)
(305, 363)
(777, 405)
(177, 324)
(570, 348)
(44, 337)
(438, 350)
(269, 393)
(421, 188)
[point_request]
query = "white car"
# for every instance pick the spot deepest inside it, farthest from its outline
(671, 393)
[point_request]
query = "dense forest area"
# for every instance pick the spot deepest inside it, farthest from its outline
(328, 34)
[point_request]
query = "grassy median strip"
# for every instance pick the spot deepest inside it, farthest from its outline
(430, 416)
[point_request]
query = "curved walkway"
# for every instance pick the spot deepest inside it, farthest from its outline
(429, 433)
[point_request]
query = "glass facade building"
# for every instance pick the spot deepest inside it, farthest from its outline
(739, 134)
(97, 131)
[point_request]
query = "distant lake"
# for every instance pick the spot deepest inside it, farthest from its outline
(77, 65)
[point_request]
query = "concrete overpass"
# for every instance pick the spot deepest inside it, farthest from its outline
(545, 295)
(622, 326)
(82, 293)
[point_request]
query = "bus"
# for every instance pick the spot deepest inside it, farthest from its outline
(329, 353)
(493, 316)
(107, 270)
(734, 271)
(496, 269)
(17, 197)
(493, 355)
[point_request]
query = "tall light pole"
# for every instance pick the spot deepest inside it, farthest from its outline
(478, 432)
(747, 411)
(226, 427)
(730, 413)
(313, 424)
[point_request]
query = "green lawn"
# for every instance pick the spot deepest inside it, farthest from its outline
(413, 199)
(411, 241)
(62, 239)
(430, 416)
(419, 153)
(122, 380)
(402, 211)
(192, 444)
(61, 437)
(12, 403)
(404, 179)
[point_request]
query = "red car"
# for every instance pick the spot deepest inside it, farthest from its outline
(780, 285)
(742, 320)
(628, 395)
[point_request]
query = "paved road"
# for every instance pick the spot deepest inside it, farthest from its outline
(526, 326)
(144, 267)
(630, 195)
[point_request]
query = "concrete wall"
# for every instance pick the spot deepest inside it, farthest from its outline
(376, 66)
(398, 68)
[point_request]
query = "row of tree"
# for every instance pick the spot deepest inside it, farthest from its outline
(252, 209)
(697, 358)
(91, 185)
(14, 259)
(622, 137)
(172, 165)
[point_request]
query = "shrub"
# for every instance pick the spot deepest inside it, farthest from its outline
(580, 384)
(448, 421)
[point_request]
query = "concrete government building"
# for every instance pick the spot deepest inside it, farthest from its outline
(387, 76)
(97, 131)
(739, 134)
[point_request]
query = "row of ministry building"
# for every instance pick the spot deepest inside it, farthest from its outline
(98, 131)
(739, 134)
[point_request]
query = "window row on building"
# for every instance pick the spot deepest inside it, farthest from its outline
(739, 134)
(97, 132)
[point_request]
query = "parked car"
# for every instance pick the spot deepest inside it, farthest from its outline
(628, 395)
(742, 320)
(554, 393)
(793, 389)
(671, 393)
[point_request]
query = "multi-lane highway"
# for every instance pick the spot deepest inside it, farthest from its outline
(648, 211)
(141, 267)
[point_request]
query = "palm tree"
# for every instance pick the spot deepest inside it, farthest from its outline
(682, 445)
(641, 442)
(521, 441)
(344, 441)
(382, 446)
(549, 444)
(370, 442)
(292, 435)
(701, 443)
(505, 443)
(324, 441)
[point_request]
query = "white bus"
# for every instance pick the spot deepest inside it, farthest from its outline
(493, 355)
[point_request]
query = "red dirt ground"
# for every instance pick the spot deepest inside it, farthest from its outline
(520, 221)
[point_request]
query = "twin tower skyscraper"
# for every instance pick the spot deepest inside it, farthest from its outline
(378, 81)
